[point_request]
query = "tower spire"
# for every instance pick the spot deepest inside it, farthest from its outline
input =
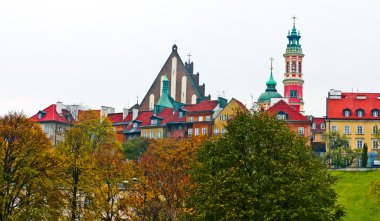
(294, 20)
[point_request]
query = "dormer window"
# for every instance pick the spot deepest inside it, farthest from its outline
(153, 121)
(375, 113)
(282, 115)
(360, 113)
(323, 126)
(347, 112)
(40, 115)
(135, 125)
(180, 114)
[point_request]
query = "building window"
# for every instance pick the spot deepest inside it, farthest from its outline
(375, 129)
(281, 116)
(190, 131)
(216, 131)
(312, 137)
(153, 121)
(159, 134)
(323, 126)
(180, 114)
(221, 117)
(360, 113)
(359, 130)
(135, 125)
(301, 130)
(196, 131)
(200, 118)
(334, 128)
(46, 129)
(191, 119)
(299, 67)
(287, 67)
(347, 112)
(346, 129)
(223, 131)
(293, 93)
(146, 134)
(208, 118)
(151, 135)
(375, 113)
(294, 67)
(226, 117)
(204, 130)
(375, 144)
(359, 143)
(314, 125)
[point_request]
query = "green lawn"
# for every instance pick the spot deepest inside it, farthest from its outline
(352, 189)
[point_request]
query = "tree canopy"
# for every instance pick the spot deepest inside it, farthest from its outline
(261, 170)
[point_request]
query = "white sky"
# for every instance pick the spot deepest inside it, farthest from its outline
(108, 52)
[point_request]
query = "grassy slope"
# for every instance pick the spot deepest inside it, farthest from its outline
(352, 189)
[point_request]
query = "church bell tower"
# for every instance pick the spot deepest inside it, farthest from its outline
(293, 82)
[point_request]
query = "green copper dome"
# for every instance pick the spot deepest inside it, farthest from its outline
(270, 92)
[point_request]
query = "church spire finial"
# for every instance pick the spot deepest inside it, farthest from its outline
(294, 20)
(271, 63)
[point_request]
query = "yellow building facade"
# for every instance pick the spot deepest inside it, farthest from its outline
(357, 132)
(154, 132)
(227, 113)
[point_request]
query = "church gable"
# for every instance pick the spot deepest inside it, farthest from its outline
(183, 84)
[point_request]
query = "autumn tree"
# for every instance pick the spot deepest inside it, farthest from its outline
(28, 191)
(79, 152)
(261, 170)
(164, 189)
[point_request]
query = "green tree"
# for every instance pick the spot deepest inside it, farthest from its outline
(261, 170)
(28, 191)
(338, 153)
(134, 148)
(365, 156)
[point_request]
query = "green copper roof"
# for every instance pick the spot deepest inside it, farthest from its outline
(270, 92)
(294, 46)
(166, 101)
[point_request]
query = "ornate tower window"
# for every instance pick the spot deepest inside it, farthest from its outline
(299, 67)
(287, 67)
(293, 67)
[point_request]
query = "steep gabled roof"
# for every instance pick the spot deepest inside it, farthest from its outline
(50, 114)
(292, 114)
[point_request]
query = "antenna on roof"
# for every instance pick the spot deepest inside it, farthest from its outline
(189, 55)
(137, 98)
(224, 94)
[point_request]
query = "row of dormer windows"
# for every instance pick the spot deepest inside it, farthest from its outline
(360, 113)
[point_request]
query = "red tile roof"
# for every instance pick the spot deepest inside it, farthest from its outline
(115, 117)
(203, 106)
(50, 114)
(170, 117)
(293, 115)
(350, 101)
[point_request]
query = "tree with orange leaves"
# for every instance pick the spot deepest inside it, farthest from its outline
(165, 185)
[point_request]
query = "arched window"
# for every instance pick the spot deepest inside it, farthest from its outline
(360, 113)
(293, 67)
(347, 112)
(375, 113)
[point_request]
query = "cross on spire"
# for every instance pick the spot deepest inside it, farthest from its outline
(271, 63)
(189, 55)
(294, 20)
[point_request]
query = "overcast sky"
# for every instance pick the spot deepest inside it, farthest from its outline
(108, 52)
